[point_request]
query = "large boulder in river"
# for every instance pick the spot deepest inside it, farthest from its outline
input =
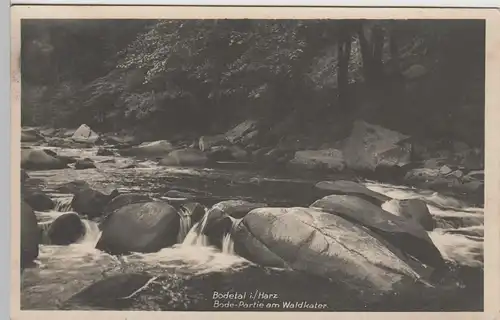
(140, 227)
(413, 209)
(91, 202)
(331, 159)
(322, 244)
(32, 159)
(346, 187)
(85, 135)
(66, 229)
(405, 234)
(371, 146)
(187, 157)
(39, 201)
(30, 235)
(155, 149)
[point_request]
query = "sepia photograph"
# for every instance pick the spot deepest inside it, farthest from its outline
(258, 164)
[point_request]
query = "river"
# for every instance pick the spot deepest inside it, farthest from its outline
(62, 271)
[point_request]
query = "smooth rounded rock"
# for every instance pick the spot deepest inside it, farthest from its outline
(39, 201)
(140, 227)
(66, 229)
(325, 245)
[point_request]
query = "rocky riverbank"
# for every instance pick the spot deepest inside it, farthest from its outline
(142, 206)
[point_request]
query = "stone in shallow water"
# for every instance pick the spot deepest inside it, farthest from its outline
(39, 201)
(91, 202)
(66, 229)
(84, 164)
(40, 160)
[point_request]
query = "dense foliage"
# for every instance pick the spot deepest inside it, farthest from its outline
(204, 75)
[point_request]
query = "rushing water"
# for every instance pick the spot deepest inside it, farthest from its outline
(63, 203)
(62, 271)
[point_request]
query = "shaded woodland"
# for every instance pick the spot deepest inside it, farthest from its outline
(300, 77)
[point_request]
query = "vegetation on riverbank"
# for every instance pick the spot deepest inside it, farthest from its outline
(305, 80)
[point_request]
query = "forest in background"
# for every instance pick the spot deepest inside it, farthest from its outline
(307, 78)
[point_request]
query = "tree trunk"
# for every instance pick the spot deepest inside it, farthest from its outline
(371, 51)
(394, 49)
(366, 55)
(344, 53)
(378, 46)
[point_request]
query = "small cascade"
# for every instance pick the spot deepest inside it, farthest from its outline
(227, 240)
(195, 237)
(63, 204)
(44, 229)
(185, 226)
(228, 244)
(92, 234)
(204, 220)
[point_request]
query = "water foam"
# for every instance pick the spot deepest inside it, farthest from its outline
(195, 237)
